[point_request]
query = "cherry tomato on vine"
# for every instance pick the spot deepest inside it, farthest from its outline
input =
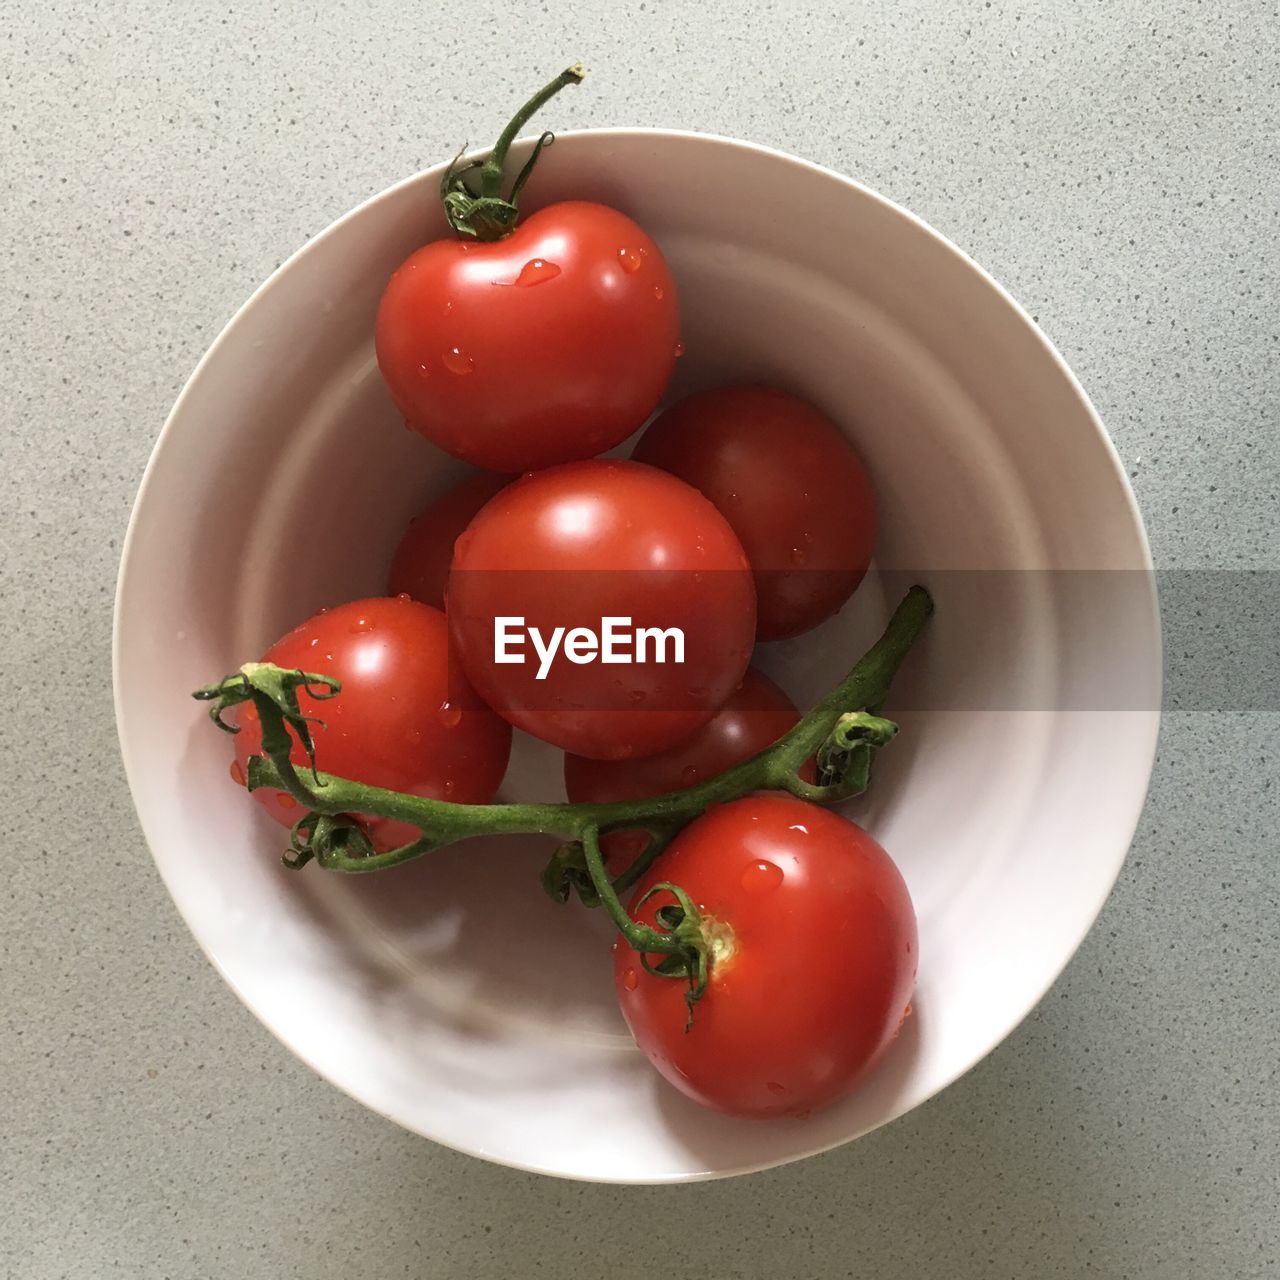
(788, 482)
(403, 720)
(562, 556)
(420, 567)
(757, 714)
(522, 346)
(813, 958)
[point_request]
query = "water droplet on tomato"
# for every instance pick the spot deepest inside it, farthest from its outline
(657, 292)
(449, 787)
(536, 271)
(734, 499)
(630, 979)
(237, 773)
(679, 350)
(761, 877)
(688, 775)
(799, 556)
(315, 641)
(360, 624)
(285, 800)
(424, 372)
(448, 306)
(800, 827)
(324, 608)
(457, 361)
(630, 260)
(774, 1087)
(403, 597)
(328, 657)
(636, 696)
(414, 736)
(700, 545)
(450, 716)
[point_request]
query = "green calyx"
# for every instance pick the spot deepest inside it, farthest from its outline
(842, 735)
(682, 925)
(472, 192)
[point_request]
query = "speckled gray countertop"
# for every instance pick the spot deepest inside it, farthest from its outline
(1115, 166)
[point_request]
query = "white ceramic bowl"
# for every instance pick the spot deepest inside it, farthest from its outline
(450, 995)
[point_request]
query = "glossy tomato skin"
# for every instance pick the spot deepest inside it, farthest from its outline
(791, 486)
(420, 567)
(403, 720)
(757, 714)
(819, 965)
(572, 545)
(550, 345)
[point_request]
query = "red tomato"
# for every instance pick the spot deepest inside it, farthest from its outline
(552, 344)
(403, 720)
(587, 542)
(814, 966)
(757, 714)
(421, 563)
(791, 486)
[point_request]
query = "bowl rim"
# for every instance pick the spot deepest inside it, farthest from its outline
(1127, 826)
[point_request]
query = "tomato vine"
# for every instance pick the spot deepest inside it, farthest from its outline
(843, 731)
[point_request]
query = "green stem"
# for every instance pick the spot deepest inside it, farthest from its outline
(442, 822)
(639, 936)
(491, 172)
(838, 730)
(479, 209)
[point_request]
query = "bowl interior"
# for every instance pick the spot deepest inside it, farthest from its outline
(450, 994)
